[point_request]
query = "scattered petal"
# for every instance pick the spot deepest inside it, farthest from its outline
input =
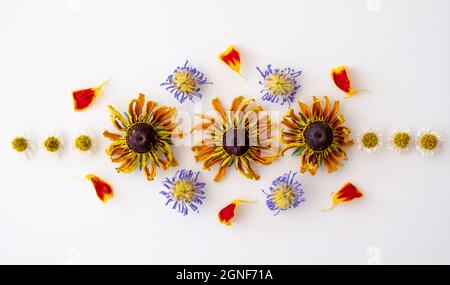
(342, 80)
(347, 193)
(227, 214)
(84, 98)
(102, 188)
(232, 58)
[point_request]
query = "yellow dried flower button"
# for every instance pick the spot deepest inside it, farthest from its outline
(427, 142)
(370, 140)
(400, 141)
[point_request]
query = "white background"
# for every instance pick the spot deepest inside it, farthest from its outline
(397, 49)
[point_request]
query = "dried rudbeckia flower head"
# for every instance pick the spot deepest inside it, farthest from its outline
(184, 191)
(53, 144)
(285, 192)
(400, 141)
(22, 146)
(238, 137)
(370, 140)
(427, 142)
(84, 143)
(185, 82)
(317, 135)
(280, 85)
(145, 138)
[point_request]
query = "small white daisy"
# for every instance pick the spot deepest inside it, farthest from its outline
(427, 142)
(400, 140)
(369, 140)
(22, 146)
(52, 145)
(84, 143)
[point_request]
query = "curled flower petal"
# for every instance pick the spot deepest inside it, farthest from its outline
(227, 214)
(232, 58)
(102, 188)
(347, 193)
(84, 98)
(342, 80)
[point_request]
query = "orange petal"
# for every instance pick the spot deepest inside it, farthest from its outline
(232, 58)
(218, 108)
(102, 188)
(227, 214)
(342, 80)
(84, 98)
(111, 136)
(347, 193)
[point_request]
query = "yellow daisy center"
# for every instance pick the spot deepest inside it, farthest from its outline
(279, 84)
(428, 141)
(185, 82)
(283, 196)
(183, 190)
(401, 140)
(369, 140)
(83, 143)
(19, 144)
(52, 144)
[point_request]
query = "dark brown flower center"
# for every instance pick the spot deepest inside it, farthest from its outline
(236, 141)
(141, 138)
(318, 136)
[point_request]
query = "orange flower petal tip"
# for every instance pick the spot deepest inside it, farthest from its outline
(342, 80)
(232, 58)
(347, 193)
(103, 189)
(84, 98)
(227, 214)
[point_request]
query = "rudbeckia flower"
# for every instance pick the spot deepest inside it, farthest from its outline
(232, 58)
(84, 98)
(400, 141)
(238, 137)
(103, 189)
(280, 85)
(184, 191)
(427, 142)
(317, 135)
(227, 214)
(370, 140)
(347, 193)
(145, 135)
(184, 83)
(22, 146)
(284, 193)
